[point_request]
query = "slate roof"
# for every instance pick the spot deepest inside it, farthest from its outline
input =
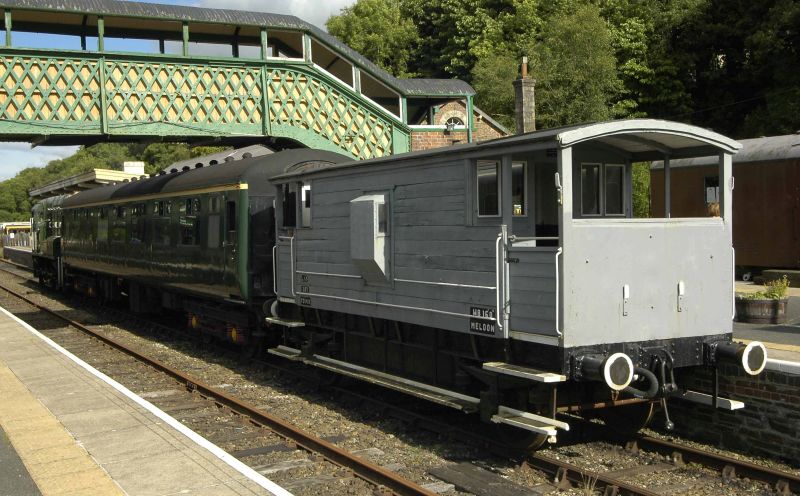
(407, 87)
(766, 149)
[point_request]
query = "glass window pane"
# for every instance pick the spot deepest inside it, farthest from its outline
(518, 186)
(615, 189)
(590, 189)
(305, 206)
(488, 189)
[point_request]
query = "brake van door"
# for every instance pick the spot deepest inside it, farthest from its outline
(284, 261)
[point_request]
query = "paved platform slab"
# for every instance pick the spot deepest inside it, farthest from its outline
(78, 432)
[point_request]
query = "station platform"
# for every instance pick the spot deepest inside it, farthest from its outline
(782, 340)
(66, 428)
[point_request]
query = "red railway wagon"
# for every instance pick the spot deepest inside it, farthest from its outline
(766, 199)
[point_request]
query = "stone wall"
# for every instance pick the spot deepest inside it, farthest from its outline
(768, 425)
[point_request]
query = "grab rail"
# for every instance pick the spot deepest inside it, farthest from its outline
(558, 254)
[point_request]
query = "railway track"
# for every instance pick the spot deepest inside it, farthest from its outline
(561, 473)
(244, 423)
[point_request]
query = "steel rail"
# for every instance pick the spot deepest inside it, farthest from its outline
(364, 469)
(563, 471)
(783, 482)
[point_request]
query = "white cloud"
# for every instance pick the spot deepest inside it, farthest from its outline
(314, 11)
(18, 156)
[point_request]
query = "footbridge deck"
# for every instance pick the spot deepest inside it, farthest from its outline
(82, 71)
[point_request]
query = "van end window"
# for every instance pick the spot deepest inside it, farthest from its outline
(519, 186)
(488, 189)
(383, 218)
(615, 189)
(289, 205)
(305, 205)
(590, 189)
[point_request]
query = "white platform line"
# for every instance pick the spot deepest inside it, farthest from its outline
(226, 457)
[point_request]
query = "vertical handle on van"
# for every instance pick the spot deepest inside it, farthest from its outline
(559, 189)
(681, 292)
(626, 296)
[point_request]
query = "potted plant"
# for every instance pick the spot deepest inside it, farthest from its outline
(767, 306)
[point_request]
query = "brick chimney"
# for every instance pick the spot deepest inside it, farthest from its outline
(524, 101)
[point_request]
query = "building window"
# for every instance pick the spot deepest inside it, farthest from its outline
(488, 189)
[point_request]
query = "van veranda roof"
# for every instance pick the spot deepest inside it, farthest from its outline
(641, 139)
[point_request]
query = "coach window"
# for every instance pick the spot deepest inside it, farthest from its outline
(187, 223)
(230, 220)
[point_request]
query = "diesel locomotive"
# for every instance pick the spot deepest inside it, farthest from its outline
(507, 278)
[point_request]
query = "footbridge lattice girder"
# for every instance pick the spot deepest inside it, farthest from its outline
(62, 94)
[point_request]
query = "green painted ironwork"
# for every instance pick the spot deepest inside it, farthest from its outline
(61, 93)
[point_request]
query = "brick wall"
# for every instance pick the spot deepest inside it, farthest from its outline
(426, 140)
(768, 425)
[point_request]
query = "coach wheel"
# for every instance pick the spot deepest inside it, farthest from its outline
(518, 439)
(627, 420)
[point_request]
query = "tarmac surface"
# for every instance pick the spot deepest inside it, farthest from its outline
(14, 477)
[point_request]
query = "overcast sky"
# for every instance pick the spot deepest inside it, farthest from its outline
(18, 156)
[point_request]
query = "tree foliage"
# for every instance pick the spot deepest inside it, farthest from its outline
(15, 203)
(380, 31)
(724, 64)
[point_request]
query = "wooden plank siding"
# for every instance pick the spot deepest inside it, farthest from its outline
(440, 265)
(533, 290)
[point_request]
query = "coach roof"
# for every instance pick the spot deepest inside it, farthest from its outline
(255, 171)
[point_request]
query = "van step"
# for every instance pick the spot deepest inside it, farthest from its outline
(707, 399)
(528, 421)
(286, 352)
(523, 372)
(284, 323)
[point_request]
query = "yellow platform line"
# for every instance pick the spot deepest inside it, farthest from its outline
(56, 462)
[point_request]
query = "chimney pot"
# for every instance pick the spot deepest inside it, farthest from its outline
(524, 67)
